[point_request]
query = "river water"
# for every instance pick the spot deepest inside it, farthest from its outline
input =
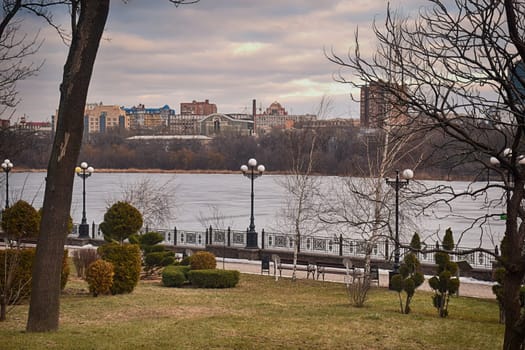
(201, 198)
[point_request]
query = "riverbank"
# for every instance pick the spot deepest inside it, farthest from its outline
(419, 175)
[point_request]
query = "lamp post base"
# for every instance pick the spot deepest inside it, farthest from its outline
(83, 231)
(251, 240)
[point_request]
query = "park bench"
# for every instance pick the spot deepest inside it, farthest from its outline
(342, 268)
(346, 268)
(287, 264)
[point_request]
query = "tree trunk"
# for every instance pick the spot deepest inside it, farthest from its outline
(512, 251)
(87, 32)
(513, 336)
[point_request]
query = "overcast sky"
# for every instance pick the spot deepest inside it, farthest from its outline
(227, 51)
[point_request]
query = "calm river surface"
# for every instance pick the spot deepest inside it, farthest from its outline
(198, 196)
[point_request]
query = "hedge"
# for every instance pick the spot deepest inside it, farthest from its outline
(213, 278)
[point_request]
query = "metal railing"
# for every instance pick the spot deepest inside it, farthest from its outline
(332, 246)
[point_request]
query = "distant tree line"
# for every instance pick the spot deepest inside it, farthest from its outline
(343, 151)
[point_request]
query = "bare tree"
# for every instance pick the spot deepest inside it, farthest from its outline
(300, 211)
(88, 19)
(16, 47)
(153, 199)
(462, 67)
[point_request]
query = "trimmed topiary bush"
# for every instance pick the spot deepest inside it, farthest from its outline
(155, 255)
(99, 276)
(20, 221)
(214, 278)
(126, 263)
(203, 261)
(121, 221)
(175, 276)
(444, 283)
(409, 277)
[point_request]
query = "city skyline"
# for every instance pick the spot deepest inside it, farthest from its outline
(229, 52)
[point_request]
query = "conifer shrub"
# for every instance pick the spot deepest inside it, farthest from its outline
(20, 221)
(19, 263)
(185, 261)
(175, 276)
(409, 277)
(213, 278)
(99, 276)
(121, 220)
(154, 255)
(444, 283)
(203, 261)
(126, 264)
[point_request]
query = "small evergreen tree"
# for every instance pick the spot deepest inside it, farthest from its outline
(20, 221)
(444, 283)
(126, 265)
(410, 276)
(121, 221)
(154, 255)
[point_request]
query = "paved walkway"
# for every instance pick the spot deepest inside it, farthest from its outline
(468, 287)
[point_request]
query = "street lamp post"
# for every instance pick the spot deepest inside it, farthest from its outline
(6, 167)
(397, 184)
(252, 171)
(84, 172)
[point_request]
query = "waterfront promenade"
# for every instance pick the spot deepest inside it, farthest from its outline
(469, 287)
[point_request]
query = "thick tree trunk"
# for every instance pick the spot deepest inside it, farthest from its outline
(512, 252)
(45, 303)
(513, 335)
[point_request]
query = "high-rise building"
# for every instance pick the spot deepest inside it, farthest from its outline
(380, 105)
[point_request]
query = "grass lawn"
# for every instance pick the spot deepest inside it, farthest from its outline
(259, 313)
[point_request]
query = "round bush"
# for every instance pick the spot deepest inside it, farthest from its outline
(174, 276)
(126, 263)
(203, 261)
(121, 221)
(99, 276)
(20, 221)
(214, 278)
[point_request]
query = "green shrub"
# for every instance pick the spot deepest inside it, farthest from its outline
(174, 276)
(155, 255)
(203, 261)
(158, 259)
(20, 221)
(214, 278)
(17, 262)
(121, 221)
(185, 261)
(444, 284)
(409, 277)
(99, 276)
(126, 263)
(20, 286)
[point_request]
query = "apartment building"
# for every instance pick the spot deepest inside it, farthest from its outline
(198, 108)
(99, 117)
(380, 105)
